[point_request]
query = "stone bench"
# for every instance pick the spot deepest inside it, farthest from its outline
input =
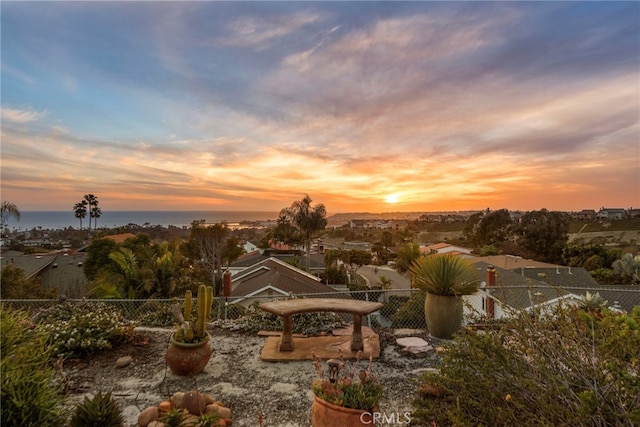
(287, 308)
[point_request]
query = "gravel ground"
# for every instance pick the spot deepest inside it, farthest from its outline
(278, 393)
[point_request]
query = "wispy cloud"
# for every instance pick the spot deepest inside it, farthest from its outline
(21, 116)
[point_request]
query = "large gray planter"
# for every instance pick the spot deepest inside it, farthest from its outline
(443, 315)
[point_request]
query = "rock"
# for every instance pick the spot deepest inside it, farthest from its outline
(209, 399)
(148, 415)
(220, 410)
(194, 402)
(404, 332)
(176, 399)
(412, 342)
(165, 406)
(156, 424)
(124, 361)
(422, 351)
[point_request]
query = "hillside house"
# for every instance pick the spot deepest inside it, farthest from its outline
(612, 213)
(272, 278)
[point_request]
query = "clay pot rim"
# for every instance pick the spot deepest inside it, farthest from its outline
(206, 339)
(323, 402)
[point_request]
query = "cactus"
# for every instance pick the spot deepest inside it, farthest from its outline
(196, 331)
(188, 304)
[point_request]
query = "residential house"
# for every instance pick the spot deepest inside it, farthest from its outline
(505, 291)
(273, 278)
(316, 261)
(61, 271)
(585, 214)
(444, 248)
(612, 213)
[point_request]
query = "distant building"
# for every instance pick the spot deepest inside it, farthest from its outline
(612, 213)
(444, 248)
(585, 214)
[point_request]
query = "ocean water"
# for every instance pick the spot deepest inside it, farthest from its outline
(62, 219)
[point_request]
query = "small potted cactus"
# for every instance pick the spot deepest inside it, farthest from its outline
(189, 350)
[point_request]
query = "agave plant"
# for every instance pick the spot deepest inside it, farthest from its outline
(102, 410)
(593, 302)
(447, 275)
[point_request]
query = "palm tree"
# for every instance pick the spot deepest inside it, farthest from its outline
(307, 219)
(80, 211)
(8, 210)
(96, 213)
(92, 201)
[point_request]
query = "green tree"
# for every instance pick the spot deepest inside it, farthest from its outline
(544, 233)
(232, 250)
(489, 228)
(98, 257)
(307, 219)
(285, 231)
(205, 246)
(406, 255)
(357, 258)
(13, 285)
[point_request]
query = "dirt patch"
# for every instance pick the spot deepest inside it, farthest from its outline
(276, 392)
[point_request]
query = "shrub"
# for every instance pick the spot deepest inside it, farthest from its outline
(574, 368)
(411, 314)
(80, 329)
(28, 394)
(392, 305)
(102, 411)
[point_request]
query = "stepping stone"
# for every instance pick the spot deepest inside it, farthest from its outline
(422, 351)
(405, 332)
(412, 342)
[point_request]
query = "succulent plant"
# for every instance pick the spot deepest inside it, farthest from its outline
(196, 331)
(102, 410)
(174, 417)
(593, 301)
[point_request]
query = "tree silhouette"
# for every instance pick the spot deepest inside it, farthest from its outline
(307, 219)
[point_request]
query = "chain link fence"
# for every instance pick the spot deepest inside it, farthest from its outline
(402, 308)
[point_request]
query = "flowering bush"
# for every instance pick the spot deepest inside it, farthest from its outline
(575, 367)
(79, 329)
(342, 389)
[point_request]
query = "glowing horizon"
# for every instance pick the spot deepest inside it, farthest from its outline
(366, 107)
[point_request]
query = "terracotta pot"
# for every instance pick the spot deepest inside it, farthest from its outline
(325, 414)
(188, 359)
(443, 315)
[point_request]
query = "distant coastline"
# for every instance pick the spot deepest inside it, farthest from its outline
(56, 220)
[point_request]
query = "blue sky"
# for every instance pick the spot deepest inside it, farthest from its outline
(366, 106)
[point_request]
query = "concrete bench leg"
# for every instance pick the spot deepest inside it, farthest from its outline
(356, 338)
(286, 340)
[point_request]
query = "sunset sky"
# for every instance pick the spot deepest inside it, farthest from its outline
(393, 106)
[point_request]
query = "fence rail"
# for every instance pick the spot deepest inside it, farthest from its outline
(402, 307)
